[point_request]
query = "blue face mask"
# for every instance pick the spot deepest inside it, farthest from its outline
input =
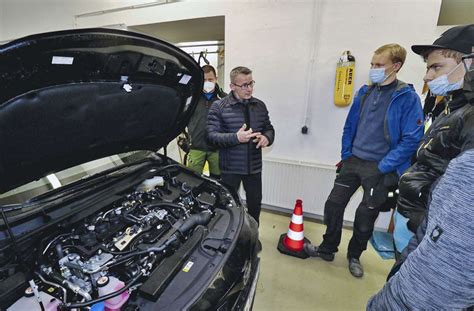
(377, 75)
(441, 86)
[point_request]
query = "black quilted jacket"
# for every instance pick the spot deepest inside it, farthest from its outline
(451, 133)
(226, 117)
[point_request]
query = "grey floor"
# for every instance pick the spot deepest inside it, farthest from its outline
(289, 283)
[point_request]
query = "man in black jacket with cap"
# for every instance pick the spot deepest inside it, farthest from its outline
(449, 64)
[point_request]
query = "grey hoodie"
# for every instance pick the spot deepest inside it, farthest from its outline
(439, 273)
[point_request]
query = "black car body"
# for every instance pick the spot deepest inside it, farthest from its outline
(145, 234)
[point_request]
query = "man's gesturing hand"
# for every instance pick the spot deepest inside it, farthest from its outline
(244, 136)
(261, 140)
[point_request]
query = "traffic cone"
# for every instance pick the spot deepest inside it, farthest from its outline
(292, 242)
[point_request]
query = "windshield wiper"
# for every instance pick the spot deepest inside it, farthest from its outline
(11, 207)
(84, 185)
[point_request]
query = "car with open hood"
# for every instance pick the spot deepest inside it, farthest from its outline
(93, 217)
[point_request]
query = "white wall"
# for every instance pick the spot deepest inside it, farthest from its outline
(24, 17)
(2, 14)
(275, 39)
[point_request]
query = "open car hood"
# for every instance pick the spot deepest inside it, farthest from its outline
(73, 96)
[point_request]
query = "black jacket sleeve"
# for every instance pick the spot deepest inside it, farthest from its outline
(268, 130)
(467, 131)
(215, 132)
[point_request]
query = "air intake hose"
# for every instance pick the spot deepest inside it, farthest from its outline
(202, 218)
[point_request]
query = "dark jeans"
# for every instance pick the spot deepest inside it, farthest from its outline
(253, 190)
(355, 172)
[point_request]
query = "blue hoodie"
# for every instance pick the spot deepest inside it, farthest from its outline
(403, 127)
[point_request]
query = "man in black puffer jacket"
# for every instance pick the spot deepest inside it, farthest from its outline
(449, 135)
(240, 127)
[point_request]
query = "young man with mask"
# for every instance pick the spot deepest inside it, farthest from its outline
(448, 62)
(240, 126)
(200, 150)
(382, 131)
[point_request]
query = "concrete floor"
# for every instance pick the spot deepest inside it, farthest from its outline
(289, 283)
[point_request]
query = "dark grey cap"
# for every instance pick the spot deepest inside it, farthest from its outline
(459, 38)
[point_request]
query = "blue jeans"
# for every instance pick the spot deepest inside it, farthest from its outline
(401, 233)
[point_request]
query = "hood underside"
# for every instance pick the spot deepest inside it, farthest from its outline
(74, 96)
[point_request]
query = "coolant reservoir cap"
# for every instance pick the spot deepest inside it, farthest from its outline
(151, 183)
(29, 292)
(100, 306)
(102, 281)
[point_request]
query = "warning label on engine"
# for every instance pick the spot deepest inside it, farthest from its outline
(188, 266)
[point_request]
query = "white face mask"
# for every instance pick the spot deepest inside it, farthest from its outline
(441, 86)
(208, 87)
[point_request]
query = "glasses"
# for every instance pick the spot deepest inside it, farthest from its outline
(246, 85)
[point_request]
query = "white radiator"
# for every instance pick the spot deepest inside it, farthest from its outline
(285, 181)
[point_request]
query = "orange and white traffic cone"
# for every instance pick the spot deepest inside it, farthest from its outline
(292, 242)
(294, 238)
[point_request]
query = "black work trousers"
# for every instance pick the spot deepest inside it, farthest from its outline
(355, 172)
(253, 190)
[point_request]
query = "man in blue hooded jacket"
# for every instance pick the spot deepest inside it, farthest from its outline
(381, 133)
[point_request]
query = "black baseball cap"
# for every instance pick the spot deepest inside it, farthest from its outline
(459, 38)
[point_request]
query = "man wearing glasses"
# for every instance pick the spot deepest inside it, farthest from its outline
(240, 127)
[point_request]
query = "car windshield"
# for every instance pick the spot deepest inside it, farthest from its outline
(60, 179)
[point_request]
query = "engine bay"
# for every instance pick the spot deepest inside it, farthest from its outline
(103, 259)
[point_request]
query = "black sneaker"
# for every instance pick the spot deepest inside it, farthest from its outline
(355, 267)
(313, 251)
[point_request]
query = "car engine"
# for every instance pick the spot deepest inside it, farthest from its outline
(104, 257)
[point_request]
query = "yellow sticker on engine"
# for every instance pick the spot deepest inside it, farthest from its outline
(188, 266)
(51, 289)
